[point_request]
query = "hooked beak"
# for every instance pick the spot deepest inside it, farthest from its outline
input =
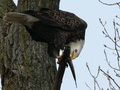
(73, 55)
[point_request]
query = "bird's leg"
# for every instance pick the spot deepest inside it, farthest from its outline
(73, 55)
(59, 57)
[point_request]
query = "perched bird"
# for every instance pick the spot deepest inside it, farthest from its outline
(57, 28)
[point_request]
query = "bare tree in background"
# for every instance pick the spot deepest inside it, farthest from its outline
(24, 63)
(113, 83)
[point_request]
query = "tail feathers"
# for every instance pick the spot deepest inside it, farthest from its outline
(15, 17)
(20, 18)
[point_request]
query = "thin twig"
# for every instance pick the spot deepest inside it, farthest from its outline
(117, 3)
(110, 78)
(91, 73)
(106, 33)
(116, 49)
(108, 47)
(87, 85)
(94, 77)
(118, 75)
(106, 58)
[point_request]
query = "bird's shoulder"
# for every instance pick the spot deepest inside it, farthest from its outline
(59, 18)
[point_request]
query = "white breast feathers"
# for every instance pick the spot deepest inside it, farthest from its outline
(78, 45)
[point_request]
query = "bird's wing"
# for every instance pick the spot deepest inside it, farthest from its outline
(61, 19)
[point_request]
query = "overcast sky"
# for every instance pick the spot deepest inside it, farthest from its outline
(92, 53)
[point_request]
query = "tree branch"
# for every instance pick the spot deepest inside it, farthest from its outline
(106, 58)
(94, 77)
(87, 86)
(117, 3)
(63, 63)
(106, 33)
(109, 77)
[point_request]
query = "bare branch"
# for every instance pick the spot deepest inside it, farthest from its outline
(115, 39)
(115, 49)
(109, 77)
(87, 86)
(118, 75)
(106, 33)
(62, 65)
(117, 3)
(108, 47)
(94, 77)
(109, 62)
(117, 22)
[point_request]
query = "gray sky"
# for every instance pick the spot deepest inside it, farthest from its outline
(92, 53)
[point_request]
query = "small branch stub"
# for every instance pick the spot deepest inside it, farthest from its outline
(65, 59)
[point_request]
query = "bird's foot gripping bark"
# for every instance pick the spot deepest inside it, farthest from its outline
(59, 57)
(64, 60)
(72, 57)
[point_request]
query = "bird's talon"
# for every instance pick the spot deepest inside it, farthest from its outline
(59, 60)
(59, 57)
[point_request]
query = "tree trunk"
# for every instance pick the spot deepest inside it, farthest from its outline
(25, 64)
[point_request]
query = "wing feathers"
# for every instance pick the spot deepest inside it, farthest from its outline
(55, 18)
(63, 19)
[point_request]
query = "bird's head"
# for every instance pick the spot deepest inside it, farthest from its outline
(75, 48)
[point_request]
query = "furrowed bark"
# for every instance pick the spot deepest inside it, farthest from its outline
(25, 63)
(5, 6)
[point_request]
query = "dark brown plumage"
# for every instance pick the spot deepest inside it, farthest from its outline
(57, 28)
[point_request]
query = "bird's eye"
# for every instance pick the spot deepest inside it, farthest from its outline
(75, 50)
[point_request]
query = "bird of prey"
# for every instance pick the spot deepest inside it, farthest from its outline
(57, 28)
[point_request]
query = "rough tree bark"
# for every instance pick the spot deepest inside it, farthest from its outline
(25, 64)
